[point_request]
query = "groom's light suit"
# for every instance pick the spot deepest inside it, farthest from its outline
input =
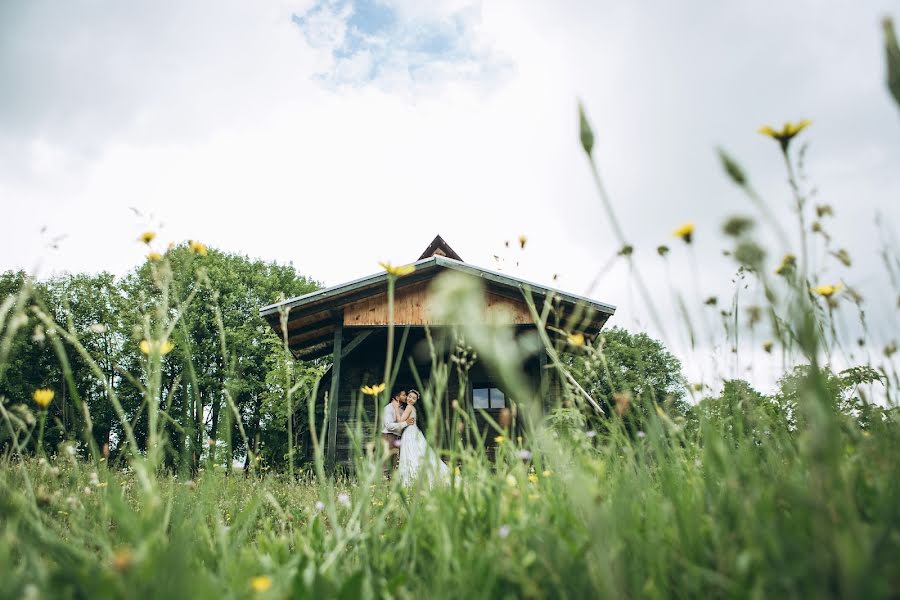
(391, 432)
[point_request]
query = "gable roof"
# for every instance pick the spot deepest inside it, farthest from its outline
(312, 318)
(438, 247)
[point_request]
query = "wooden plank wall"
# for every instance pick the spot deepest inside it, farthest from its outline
(411, 308)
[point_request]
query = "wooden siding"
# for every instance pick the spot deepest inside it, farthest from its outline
(411, 308)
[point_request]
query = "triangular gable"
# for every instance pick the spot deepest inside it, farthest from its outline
(438, 247)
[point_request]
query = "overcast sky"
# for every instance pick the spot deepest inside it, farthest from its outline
(336, 134)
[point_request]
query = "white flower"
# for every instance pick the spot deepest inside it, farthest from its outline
(591, 433)
(320, 506)
(87, 491)
(641, 434)
(503, 532)
(344, 499)
(524, 454)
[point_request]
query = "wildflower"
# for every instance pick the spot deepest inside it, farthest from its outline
(122, 560)
(787, 133)
(95, 479)
(87, 491)
(372, 390)
(524, 454)
(827, 291)
(641, 434)
(576, 339)
(754, 313)
(533, 478)
(662, 250)
(504, 418)
(622, 401)
(843, 256)
(503, 532)
(499, 439)
(399, 271)
(43, 397)
(547, 474)
(197, 247)
(685, 232)
(591, 434)
(163, 347)
(154, 257)
(767, 346)
(320, 506)
(750, 254)
(147, 237)
(737, 226)
(824, 210)
(788, 263)
(522, 241)
(261, 583)
(344, 499)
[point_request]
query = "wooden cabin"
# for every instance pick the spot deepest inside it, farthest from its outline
(349, 323)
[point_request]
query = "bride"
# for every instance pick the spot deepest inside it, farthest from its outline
(415, 454)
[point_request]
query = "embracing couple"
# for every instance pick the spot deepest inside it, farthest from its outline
(409, 452)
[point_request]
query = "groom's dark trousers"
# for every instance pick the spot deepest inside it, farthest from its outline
(393, 458)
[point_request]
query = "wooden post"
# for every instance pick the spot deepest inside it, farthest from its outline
(543, 379)
(334, 395)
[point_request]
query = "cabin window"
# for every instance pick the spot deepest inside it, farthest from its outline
(488, 398)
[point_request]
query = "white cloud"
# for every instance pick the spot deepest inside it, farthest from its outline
(234, 125)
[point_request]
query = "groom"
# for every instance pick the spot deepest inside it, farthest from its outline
(392, 430)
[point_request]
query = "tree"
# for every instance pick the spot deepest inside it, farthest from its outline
(634, 369)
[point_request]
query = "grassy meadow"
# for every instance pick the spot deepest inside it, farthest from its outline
(732, 493)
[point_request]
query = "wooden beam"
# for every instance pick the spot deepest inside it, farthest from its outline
(356, 342)
(334, 396)
(311, 334)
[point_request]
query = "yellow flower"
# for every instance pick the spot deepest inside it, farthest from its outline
(548, 473)
(522, 241)
(261, 583)
(147, 236)
(576, 339)
(197, 247)
(154, 256)
(122, 560)
(787, 264)
(43, 397)
(163, 348)
(533, 478)
(372, 390)
(500, 439)
(827, 291)
(399, 271)
(787, 133)
(685, 232)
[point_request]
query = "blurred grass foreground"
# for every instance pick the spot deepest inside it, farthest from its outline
(152, 427)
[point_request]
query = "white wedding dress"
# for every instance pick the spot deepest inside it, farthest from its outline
(418, 459)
